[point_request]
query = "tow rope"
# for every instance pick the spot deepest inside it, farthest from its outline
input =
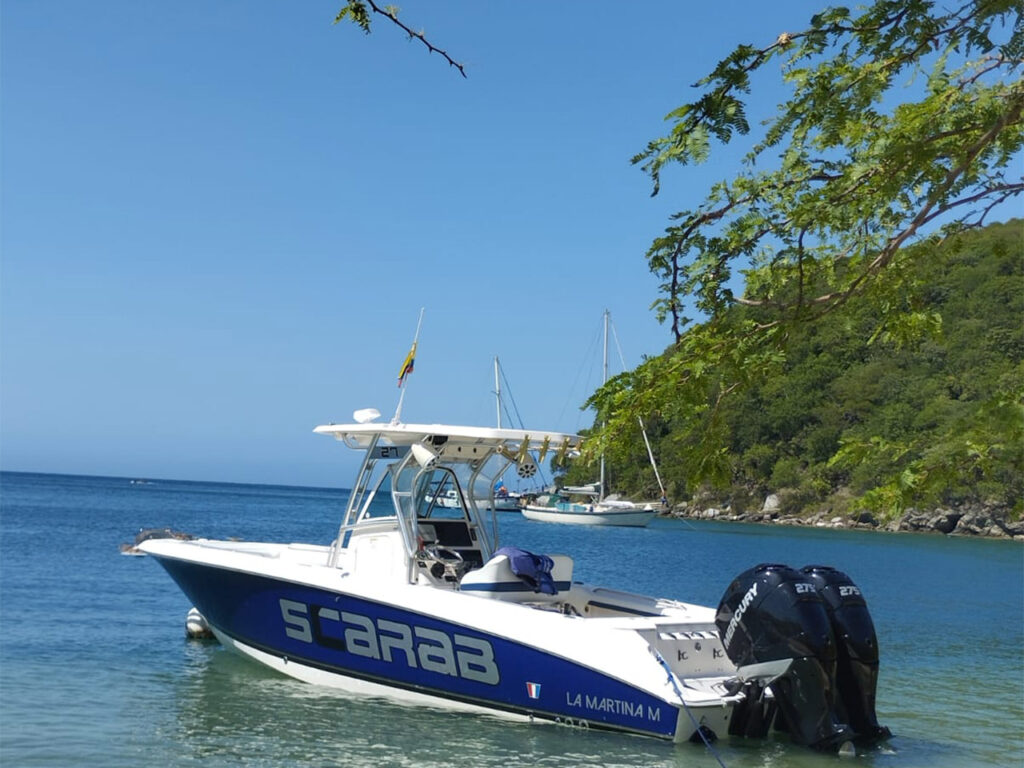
(675, 687)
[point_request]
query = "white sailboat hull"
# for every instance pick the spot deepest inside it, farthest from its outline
(598, 515)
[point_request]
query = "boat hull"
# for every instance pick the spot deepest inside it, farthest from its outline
(365, 645)
(636, 518)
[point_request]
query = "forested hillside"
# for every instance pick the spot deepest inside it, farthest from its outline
(858, 419)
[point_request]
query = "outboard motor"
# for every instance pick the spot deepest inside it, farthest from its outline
(856, 650)
(773, 613)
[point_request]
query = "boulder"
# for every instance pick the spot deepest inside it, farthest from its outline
(945, 520)
(915, 520)
(975, 523)
(865, 517)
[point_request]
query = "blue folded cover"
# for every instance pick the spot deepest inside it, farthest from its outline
(535, 570)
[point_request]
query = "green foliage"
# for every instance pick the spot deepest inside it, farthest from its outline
(902, 129)
(839, 177)
(356, 12)
(889, 424)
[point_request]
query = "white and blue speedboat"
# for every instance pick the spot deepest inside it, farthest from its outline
(418, 601)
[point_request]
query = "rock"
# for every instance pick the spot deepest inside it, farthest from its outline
(865, 517)
(944, 520)
(972, 519)
(974, 523)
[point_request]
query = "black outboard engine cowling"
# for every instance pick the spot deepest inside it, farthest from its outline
(771, 613)
(856, 650)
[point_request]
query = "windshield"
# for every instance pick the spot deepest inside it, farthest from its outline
(439, 497)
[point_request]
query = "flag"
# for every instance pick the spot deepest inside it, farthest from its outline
(407, 366)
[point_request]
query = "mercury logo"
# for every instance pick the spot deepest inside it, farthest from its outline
(744, 604)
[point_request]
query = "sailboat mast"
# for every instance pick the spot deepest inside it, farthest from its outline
(604, 380)
(497, 390)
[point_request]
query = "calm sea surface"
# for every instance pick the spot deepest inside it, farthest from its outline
(95, 669)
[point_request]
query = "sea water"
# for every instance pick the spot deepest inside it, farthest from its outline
(95, 669)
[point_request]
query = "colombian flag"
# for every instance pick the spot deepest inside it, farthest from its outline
(407, 366)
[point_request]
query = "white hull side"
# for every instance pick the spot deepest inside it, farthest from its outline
(614, 644)
(712, 716)
(356, 686)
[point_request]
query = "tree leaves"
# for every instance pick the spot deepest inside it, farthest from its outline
(920, 403)
(854, 177)
(903, 127)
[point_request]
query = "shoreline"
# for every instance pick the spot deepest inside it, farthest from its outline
(971, 520)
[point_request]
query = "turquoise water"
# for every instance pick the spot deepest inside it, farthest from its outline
(95, 669)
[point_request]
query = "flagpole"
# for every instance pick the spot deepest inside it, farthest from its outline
(401, 397)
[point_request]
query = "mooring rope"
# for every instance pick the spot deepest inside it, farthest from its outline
(675, 687)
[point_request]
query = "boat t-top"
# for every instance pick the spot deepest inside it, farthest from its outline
(420, 601)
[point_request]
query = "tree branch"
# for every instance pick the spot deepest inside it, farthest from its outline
(357, 11)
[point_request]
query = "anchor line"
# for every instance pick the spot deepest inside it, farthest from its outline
(675, 687)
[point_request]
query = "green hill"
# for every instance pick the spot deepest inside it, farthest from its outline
(855, 419)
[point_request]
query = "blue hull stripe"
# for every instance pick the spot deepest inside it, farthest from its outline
(380, 643)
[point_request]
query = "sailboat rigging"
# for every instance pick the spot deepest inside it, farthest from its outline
(604, 510)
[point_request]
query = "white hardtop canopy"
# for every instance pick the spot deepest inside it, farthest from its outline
(360, 436)
(423, 462)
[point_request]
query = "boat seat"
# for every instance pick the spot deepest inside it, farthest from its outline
(495, 580)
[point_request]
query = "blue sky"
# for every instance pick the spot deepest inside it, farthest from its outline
(220, 220)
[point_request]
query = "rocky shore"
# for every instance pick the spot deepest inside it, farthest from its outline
(968, 520)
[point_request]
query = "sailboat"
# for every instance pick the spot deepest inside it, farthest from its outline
(504, 499)
(599, 509)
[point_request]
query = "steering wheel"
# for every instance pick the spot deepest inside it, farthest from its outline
(448, 563)
(443, 555)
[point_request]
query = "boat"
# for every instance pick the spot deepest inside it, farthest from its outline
(504, 499)
(558, 508)
(422, 603)
(600, 509)
(448, 498)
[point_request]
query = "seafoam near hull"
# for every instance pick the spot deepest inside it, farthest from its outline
(428, 656)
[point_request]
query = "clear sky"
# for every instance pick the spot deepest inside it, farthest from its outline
(220, 220)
